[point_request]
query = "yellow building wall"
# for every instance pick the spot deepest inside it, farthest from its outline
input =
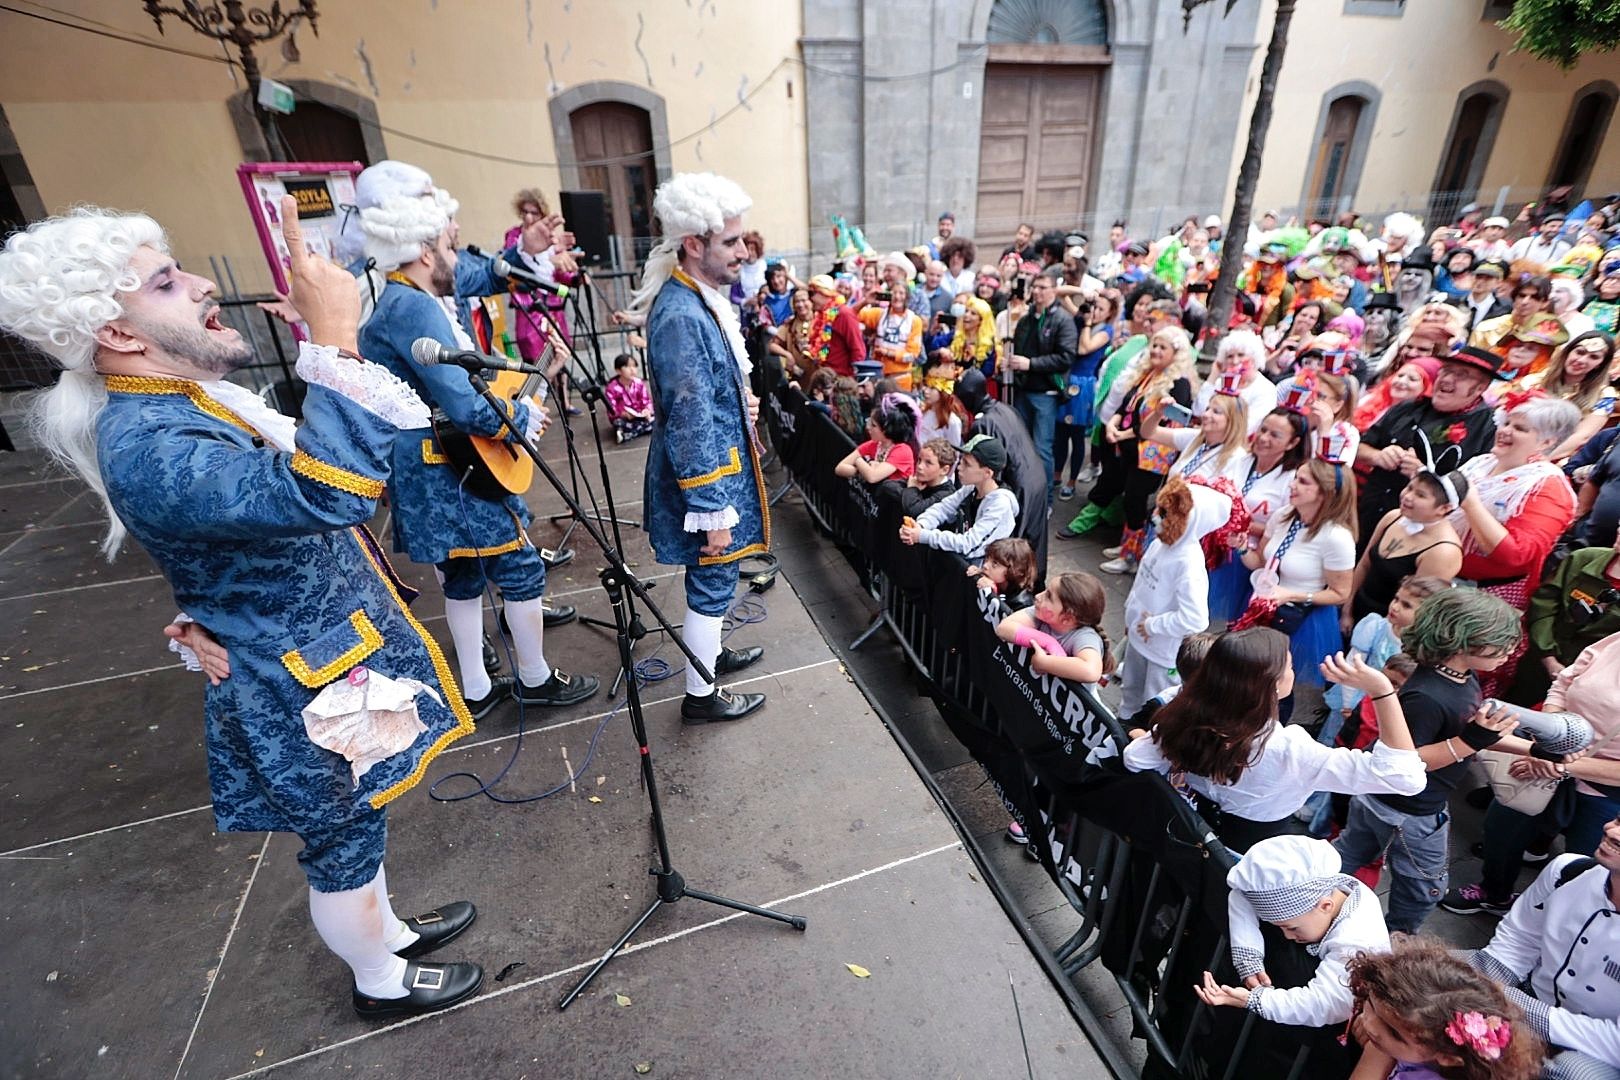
(127, 126)
(1419, 61)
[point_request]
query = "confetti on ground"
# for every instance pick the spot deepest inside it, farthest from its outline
(858, 971)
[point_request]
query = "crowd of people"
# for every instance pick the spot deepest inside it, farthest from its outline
(1394, 483)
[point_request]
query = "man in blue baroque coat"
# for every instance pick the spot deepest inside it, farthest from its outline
(408, 230)
(704, 493)
(259, 527)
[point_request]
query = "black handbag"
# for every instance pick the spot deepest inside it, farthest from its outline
(1289, 617)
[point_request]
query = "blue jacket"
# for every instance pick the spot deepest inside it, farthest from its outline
(269, 551)
(434, 519)
(702, 456)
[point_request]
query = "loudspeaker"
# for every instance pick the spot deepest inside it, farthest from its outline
(587, 216)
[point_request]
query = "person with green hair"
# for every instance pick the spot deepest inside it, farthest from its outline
(1454, 635)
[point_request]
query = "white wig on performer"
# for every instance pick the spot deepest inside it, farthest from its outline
(687, 204)
(60, 281)
(397, 210)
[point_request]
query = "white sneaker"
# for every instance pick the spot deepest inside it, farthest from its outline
(1118, 566)
(1112, 552)
(1088, 474)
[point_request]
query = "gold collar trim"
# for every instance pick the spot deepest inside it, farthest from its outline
(146, 384)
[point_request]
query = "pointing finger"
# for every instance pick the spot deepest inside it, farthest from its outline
(293, 233)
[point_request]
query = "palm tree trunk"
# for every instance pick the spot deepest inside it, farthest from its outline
(1237, 226)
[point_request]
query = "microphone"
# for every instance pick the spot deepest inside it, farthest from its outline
(429, 352)
(529, 280)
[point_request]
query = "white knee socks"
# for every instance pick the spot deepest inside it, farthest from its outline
(466, 621)
(396, 935)
(702, 634)
(527, 621)
(351, 925)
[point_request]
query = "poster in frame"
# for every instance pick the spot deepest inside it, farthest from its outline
(325, 192)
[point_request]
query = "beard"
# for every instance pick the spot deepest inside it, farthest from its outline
(197, 347)
(716, 266)
(442, 278)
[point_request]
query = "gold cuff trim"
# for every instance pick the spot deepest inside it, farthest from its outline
(314, 678)
(143, 384)
(733, 556)
(447, 682)
(731, 468)
(431, 455)
(486, 552)
(332, 476)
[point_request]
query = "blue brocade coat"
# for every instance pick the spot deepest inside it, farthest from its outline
(269, 551)
(434, 519)
(702, 456)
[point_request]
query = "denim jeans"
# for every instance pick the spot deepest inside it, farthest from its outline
(1508, 833)
(1039, 413)
(1415, 852)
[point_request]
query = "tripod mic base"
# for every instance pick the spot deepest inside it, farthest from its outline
(672, 888)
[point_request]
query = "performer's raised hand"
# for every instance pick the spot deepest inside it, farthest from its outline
(321, 291)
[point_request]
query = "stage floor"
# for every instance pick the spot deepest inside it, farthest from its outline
(140, 943)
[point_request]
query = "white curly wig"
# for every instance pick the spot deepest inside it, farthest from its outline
(687, 204)
(59, 284)
(1244, 345)
(397, 210)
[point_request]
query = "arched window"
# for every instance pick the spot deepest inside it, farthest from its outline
(1343, 129)
(1048, 22)
(330, 123)
(1589, 114)
(1467, 149)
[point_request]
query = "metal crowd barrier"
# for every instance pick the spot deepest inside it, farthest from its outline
(1143, 872)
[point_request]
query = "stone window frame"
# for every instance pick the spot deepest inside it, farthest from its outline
(344, 100)
(1350, 184)
(564, 103)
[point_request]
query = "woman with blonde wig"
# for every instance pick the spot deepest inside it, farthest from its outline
(1162, 374)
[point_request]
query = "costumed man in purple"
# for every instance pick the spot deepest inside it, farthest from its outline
(259, 528)
(409, 236)
(705, 497)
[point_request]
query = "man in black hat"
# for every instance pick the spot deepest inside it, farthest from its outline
(1383, 316)
(1025, 472)
(1439, 433)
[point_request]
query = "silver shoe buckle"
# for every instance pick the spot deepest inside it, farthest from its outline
(428, 978)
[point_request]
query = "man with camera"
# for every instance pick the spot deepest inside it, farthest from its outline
(1043, 351)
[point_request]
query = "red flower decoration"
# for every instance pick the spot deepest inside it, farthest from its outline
(1456, 433)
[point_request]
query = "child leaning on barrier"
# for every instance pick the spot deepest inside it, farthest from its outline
(1008, 571)
(1063, 629)
(1294, 883)
(1189, 658)
(977, 513)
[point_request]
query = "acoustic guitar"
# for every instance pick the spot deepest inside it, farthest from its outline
(495, 467)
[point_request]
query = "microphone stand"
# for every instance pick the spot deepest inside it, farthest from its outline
(535, 314)
(621, 585)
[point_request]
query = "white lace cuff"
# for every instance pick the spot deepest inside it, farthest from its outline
(715, 519)
(186, 656)
(371, 386)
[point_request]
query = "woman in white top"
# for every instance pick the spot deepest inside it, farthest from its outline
(1218, 446)
(1280, 445)
(1222, 737)
(1304, 571)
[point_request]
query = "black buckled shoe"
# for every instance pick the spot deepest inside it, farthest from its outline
(500, 689)
(432, 987)
(561, 689)
(437, 928)
(719, 706)
(492, 659)
(558, 614)
(554, 559)
(732, 661)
